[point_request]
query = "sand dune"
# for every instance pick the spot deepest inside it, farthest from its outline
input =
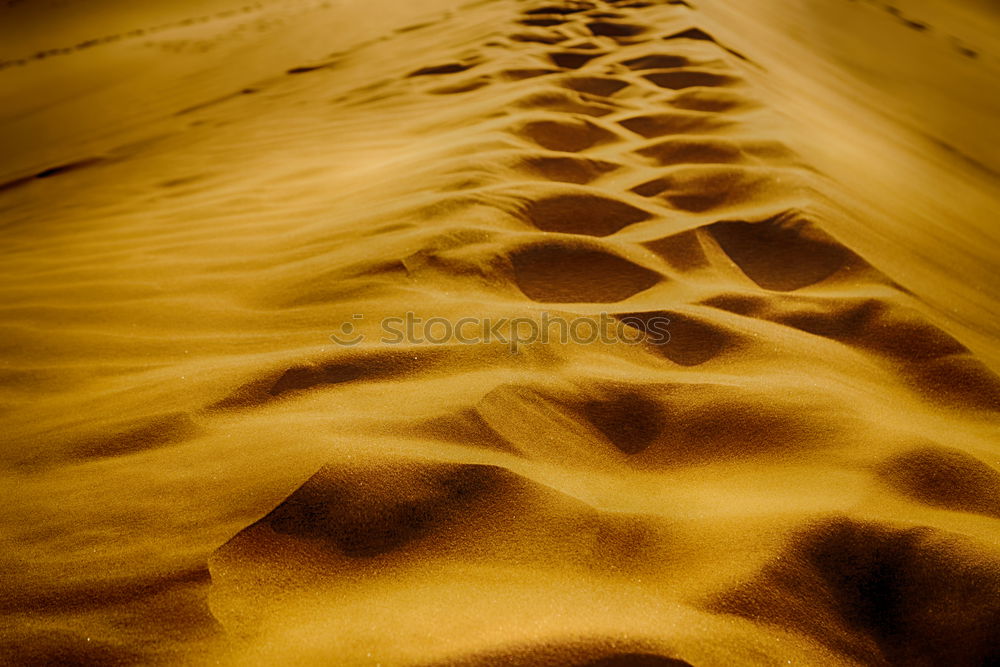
(213, 454)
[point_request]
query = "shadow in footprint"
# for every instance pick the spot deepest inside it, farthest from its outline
(572, 59)
(683, 252)
(542, 22)
(614, 30)
(944, 477)
(687, 340)
(594, 85)
(565, 273)
(679, 79)
(448, 68)
(656, 62)
(631, 422)
(693, 150)
(781, 254)
(583, 213)
(566, 169)
(675, 122)
(557, 9)
(571, 135)
(879, 594)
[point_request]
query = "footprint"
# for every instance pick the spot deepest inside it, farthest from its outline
(966, 51)
(874, 593)
(945, 478)
(711, 100)
(602, 86)
(614, 30)
(957, 380)
(352, 525)
(909, 23)
(675, 122)
(51, 172)
(628, 420)
(582, 213)
(717, 422)
(782, 254)
(683, 252)
(572, 59)
(565, 169)
(561, 272)
(134, 436)
(526, 73)
(295, 380)
(693, 150)
(689, 78)
(448, 68)
(542, 22)
(304, 69)
(538, 38)
(870, 324)
(698, 189)
(69, 167)
(570, 135)
(563, 101)
(463, 87)
(692, 340)
(656, 62)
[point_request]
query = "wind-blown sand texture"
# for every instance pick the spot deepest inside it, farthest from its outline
(808, 472)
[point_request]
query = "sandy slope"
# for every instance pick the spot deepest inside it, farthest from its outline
(193, 471)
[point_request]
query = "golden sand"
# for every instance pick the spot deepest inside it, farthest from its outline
(195, 197)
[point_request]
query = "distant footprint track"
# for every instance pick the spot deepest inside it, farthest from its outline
(131, 34)
(446, 68)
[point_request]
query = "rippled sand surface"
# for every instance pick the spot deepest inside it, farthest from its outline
(212, 453)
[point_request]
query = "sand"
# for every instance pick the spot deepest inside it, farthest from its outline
(213, 455)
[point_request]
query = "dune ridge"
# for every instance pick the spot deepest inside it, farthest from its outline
(804, 473)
